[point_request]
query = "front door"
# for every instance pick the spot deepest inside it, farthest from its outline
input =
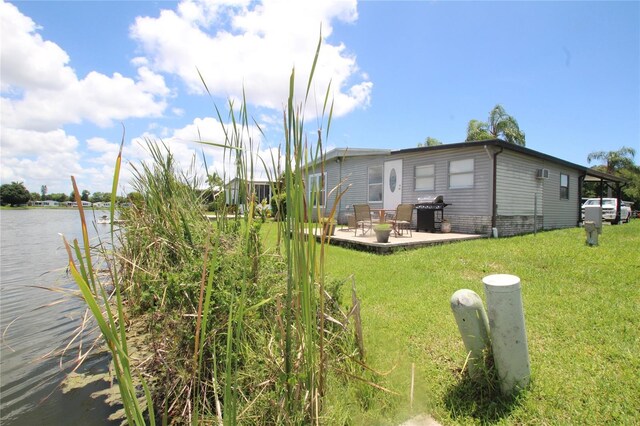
(392, 184)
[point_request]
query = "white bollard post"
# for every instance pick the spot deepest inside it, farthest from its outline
(471, 318)
(508, 334)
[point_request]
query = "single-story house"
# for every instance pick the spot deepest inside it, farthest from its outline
(46, 203)
(261, 189)
(74, 204)
(489, 186)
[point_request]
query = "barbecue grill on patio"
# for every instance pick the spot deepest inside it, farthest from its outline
(429, 213)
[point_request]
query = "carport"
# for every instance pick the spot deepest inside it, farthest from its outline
(613, 185)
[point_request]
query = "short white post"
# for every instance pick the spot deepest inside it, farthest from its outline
(508, 334)
(593, 224)
(471, 318)
(592, 233)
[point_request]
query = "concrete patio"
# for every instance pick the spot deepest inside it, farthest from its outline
(345, 237)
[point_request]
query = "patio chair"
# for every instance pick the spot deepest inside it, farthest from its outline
(362, 217)
(351, 222)
(402, 220)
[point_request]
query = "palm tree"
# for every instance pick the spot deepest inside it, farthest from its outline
(614, 160)
(500, 125)
(429, 141)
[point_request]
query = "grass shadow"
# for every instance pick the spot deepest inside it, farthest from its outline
(479, 397)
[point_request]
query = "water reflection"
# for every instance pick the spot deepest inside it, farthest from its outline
(39, 311)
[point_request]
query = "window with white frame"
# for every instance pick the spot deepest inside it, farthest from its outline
(425, 178)
(461, 173)
(317, 190)
(564, 186)
(375, 184)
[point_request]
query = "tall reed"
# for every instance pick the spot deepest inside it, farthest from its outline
(112, 326)
(238, 330)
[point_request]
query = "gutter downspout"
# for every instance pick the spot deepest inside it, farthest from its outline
(339, 160)
(494, 209)
(580, 185)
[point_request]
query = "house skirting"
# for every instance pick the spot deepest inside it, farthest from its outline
(516, 225)
(480, 225)
(508, 226)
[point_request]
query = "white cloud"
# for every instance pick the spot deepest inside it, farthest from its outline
(26, 60)
(187, 152)
(30, 143)
(97, 98)
(39, 158)
(44, 92)
(41, 94)
(254, 46)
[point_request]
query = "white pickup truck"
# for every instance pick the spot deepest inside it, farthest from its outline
(609, 206)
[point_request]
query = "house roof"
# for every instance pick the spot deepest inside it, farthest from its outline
(354, 152)
(590, 174)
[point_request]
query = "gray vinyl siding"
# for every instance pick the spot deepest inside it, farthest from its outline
(560, 213)
(354, 172)
(474, 201)
(517, 185)
(469, 209)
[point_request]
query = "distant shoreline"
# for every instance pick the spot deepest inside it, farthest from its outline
(50, 208)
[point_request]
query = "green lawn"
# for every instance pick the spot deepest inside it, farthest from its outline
(582, 313)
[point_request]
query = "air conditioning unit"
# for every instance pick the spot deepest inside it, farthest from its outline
(542, 174)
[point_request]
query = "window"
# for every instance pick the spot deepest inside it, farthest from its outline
(425, 178)
(564, 186)
(461, 174)
(375, 184)
(317, 190)
(262, 191)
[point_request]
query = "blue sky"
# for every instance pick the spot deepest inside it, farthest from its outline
(73, 73)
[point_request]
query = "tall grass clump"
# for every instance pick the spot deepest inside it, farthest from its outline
(109, 316)
(235, 332)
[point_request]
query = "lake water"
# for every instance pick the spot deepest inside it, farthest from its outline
(37, 321)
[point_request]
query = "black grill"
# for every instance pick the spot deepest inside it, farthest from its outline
(430, 211)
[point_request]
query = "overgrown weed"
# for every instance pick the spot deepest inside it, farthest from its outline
(240, 333)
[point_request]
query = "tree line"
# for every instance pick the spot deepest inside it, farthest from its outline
(17, 194)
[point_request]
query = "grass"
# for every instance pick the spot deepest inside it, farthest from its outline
(581, 310)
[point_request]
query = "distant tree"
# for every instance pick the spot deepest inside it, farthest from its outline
(34, 196)
(72, 196)
(135, 198)
(95, 197)
(500, 125)
(59, 197)
(631, 191)
(613, 160)
(618, 163)
(98, 197)
(477, 131)
(429, 141)
(215, 180)
(14, 194)
(85, 195)
(43, 191)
